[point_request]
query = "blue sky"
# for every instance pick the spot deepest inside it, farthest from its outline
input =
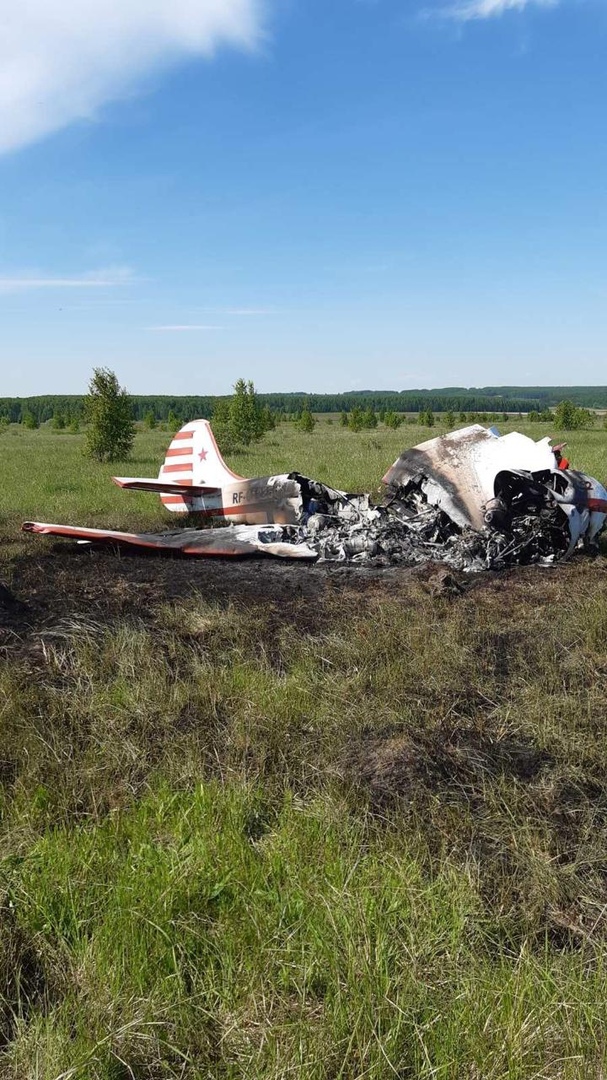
(315, 195)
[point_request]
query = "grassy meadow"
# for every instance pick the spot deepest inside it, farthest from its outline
(266, 822)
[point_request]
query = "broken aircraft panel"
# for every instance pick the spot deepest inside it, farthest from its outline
(471, 498)
(229, 541)
(456, 471)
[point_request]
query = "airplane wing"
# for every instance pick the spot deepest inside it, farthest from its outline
(232, 540)
(141, 483)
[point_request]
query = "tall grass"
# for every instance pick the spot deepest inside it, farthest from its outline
(197, 934)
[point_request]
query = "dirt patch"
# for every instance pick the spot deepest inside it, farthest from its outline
(11, 610)
(392, 766)
(58, 581)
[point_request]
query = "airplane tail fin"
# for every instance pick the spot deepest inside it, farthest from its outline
(193, 460)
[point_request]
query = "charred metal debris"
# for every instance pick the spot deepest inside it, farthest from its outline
(406, 530)
(473, 499)
(448, 500)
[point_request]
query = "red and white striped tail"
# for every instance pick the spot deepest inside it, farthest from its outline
(193, 460)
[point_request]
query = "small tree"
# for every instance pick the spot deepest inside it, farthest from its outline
(29, 421)
(567, 416)
(269, 420)
(344, 419)
(239, 420)
(355, 419)
(307, 422)
(393, 420)
(58, 421)
(172, 421)
(585, 417)
(450, 419)
(246, 414)
(109, 413)
(149, 420)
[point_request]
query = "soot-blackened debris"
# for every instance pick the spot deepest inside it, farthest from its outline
(405, 530)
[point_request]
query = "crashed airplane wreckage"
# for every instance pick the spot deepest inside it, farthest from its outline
(472, 499)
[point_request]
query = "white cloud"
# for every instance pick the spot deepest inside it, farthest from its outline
(487, 9)
(95, 279)
(61, 60)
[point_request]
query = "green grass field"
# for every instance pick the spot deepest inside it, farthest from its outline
(259, 822)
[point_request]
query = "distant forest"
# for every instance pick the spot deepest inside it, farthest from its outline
(513, 399)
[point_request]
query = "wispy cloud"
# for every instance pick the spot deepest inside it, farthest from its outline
(62, 60)
(241, 311)
(95, 279)
(466, 10)
(178, 327)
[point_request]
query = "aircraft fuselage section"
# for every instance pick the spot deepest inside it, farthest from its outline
(263, 500)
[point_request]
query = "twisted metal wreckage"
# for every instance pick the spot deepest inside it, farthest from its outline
(472, 499)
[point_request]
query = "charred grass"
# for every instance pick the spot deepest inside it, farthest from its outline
(260, 820)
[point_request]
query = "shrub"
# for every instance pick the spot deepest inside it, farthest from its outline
(568, 416)
(393, 420)
(307, 422)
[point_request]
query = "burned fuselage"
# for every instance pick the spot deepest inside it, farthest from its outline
(505, 493)
(471, 498)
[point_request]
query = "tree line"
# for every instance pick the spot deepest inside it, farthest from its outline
(110, 413)
(70, 408)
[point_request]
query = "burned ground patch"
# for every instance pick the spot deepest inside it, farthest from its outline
(450, 765)
(60, 582)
